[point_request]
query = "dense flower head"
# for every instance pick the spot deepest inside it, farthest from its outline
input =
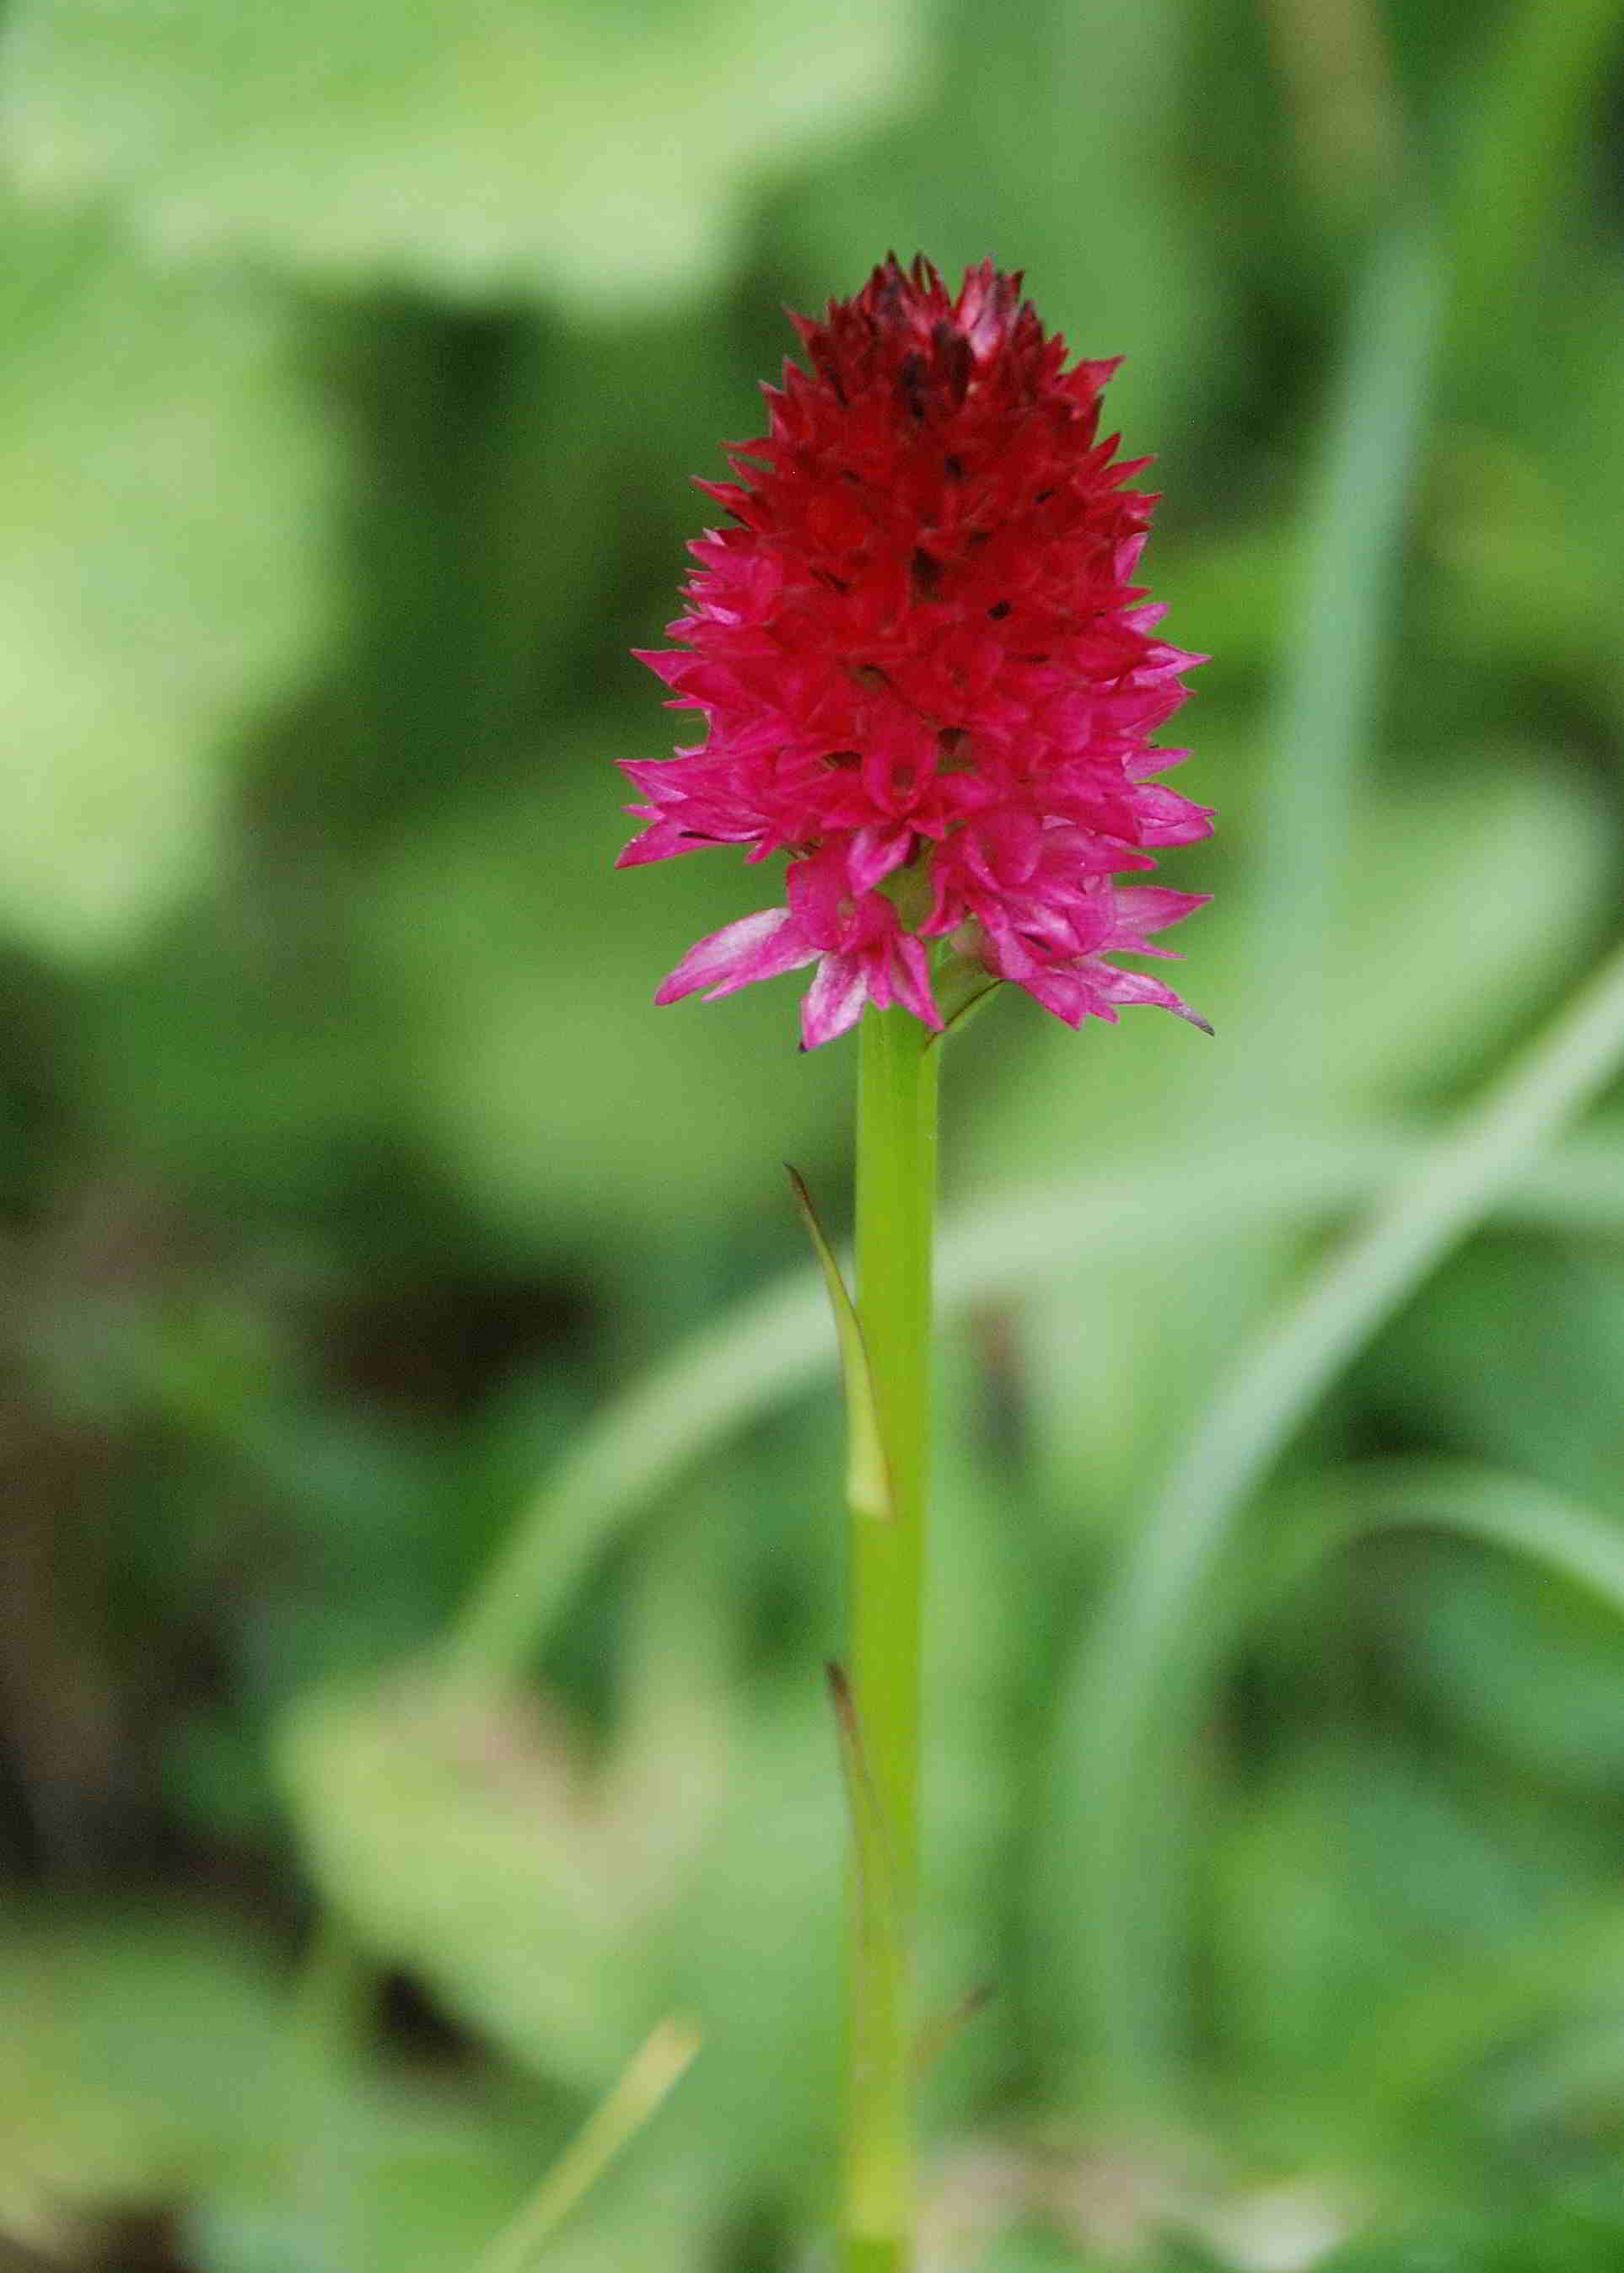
(926, 675)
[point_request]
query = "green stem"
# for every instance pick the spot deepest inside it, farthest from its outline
(896, 1211)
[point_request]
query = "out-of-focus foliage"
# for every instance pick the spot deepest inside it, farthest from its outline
(511, 149)
(420, 1483)
(172, 500)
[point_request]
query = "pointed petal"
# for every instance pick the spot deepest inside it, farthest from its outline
(1131, 987)
(835, 999)
(664, 663)
(1064, 992)
(664, 840)
(756, 947)
(1166, 818)
(875, 853)
(1152, 907)
(911, 980)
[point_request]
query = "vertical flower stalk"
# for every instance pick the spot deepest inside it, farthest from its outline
(896, 1210)
(930, 684)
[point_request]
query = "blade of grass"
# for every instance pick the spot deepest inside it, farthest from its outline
(1381, 2082)
(769, 1346)
(1341, 94)
(1488, 1505)
(1112, 1819)
(1484, 1505)
(1547, 67)
(1330, 680)
(652, 2073)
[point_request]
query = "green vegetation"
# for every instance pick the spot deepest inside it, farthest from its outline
(422, 1458)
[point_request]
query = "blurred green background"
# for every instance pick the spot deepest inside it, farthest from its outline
(385, 1276)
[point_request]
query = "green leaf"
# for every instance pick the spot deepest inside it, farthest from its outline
(1420, 992)
(1121, 1710)
(755, 1949)
(744, 1363)
(521, 971)
(373, 2172)
(1547, 1612)
(460, 1839)
(1520, 166)
(167, 506)
(140, 2052)
(868, 1479)
(500, 151)
(1336, 652)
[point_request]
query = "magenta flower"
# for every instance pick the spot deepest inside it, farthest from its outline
(927, 676)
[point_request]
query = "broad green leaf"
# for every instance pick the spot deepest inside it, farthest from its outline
(141, 2052)
(371, 2171)
(167, 502)
(154, 2059)
(493, 151)
(463, 1839)
(522, 970)
(755, 1951)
